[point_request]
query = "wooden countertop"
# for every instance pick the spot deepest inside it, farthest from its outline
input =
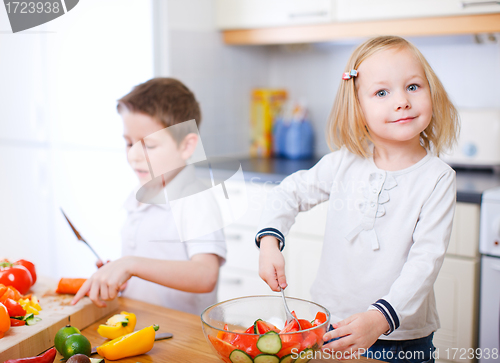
(187, 345)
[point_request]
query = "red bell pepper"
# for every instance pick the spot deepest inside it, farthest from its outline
(319, 319)
(14, 308)
(47, 357)
(288, 348)
(16, 322)
(223, 348)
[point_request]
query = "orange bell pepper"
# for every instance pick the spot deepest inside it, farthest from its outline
(4, 320)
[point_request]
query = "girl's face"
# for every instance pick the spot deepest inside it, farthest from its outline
(394, 96)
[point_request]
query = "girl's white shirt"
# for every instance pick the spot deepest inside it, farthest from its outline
(386, 235)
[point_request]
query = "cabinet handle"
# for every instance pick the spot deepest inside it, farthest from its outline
(235, 237)
(479, 3)
(307, 15)
(234, 281)
(495, 267)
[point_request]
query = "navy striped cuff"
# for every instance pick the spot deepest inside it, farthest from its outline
(270, 232)
(390, 314)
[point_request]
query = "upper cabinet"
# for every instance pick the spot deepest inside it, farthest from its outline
(299, 21)
(248, 14)
(363, 10)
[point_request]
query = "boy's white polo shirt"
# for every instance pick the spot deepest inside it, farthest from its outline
(150, 231)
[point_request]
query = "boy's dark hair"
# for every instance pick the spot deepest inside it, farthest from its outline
(167, 100)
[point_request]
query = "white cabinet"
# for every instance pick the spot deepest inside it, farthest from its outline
(254, 14)
(457, 287)
(246, 14)
(366, 10)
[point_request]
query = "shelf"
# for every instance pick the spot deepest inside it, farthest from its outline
(448, 25)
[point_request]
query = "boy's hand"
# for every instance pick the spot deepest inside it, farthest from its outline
(106, 282)
(272, 263)
(359, 331)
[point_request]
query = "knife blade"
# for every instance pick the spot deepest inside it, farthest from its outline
(80, 238)
(158, 336)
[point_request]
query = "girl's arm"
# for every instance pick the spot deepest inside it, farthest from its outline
(198, 275)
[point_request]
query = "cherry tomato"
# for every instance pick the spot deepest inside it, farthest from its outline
(17, 276)
(30, 266)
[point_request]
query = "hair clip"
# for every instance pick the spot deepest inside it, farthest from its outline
(348, 75)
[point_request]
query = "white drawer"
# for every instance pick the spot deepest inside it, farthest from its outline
(242, 253)
(241, 14)
(363, 10)
(235, 283)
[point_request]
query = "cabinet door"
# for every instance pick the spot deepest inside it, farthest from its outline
(242, 253)
(464, 239)
(456, 290)
(359, 10)
(302, 256)
(236, 283)
(240, 14)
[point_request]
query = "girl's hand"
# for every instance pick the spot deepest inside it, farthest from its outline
(272, 263)
(106, 282)
(359, 331)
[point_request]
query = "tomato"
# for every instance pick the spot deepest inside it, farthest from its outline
(4, 320)
(227, 337)
(14, 308)
(31, 268)
(223, 348)
(319, 319)
(15, 322)
(10, 293)
(304, 324)
(309, 339)
(17, 276)
(289, 348)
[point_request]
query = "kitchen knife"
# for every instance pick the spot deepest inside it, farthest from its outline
(80, 238)
(158, 336)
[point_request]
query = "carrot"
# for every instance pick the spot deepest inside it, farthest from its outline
(69, 285)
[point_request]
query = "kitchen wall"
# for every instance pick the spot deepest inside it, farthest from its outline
(222, 76)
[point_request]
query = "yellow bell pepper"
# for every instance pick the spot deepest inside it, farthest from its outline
(117, 325)
(136, 343)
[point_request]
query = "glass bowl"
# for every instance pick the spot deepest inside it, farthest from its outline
(252, 329)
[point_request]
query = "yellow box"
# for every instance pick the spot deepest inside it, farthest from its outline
(266, 105)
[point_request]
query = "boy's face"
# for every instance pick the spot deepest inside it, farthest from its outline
(146, 139)
(395, 96)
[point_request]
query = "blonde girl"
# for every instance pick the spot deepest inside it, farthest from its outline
(391, 203)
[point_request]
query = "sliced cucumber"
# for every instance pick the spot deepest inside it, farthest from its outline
(239, 356)
(305, 356)
(266, 358)
(269, 343)
(32, 321)
(255, 327)
(287, 358)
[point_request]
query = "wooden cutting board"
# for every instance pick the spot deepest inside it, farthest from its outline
(29, 341)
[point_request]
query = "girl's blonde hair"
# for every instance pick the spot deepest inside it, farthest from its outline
(346, 124)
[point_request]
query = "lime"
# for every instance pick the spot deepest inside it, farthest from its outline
(76, 344)
(62, 334)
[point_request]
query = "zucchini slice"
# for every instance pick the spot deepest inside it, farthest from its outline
(239, 356)
(287, 358)
(255, 327)
(266, 358)
(269, 343)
